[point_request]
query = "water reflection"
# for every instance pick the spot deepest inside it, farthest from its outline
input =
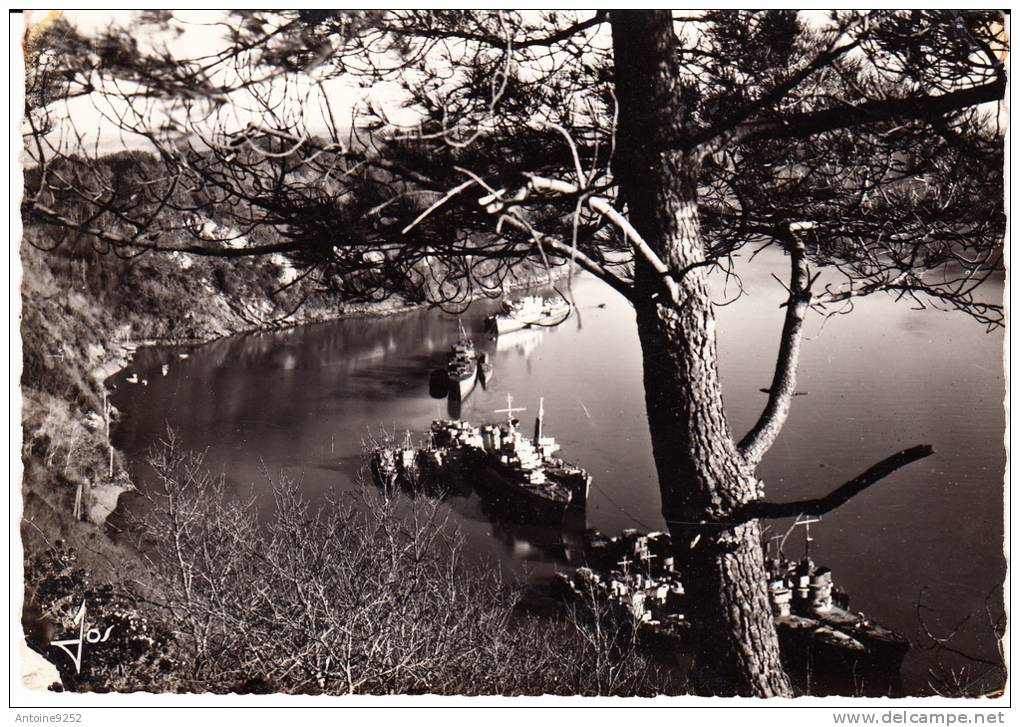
(885, 378)
(454, 406)
(520, 343)
(561, 544)
(439, 384)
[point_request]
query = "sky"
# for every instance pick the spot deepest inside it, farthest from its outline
(202, 32)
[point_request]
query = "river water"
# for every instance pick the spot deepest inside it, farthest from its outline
(881, 379)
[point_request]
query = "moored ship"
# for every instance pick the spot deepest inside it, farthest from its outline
(635, 574)
(485, 369)
(462, 366)
(522, 476)
(410, 468)
(528, 311)
(515, 468)
(814, 623)
(394, 466)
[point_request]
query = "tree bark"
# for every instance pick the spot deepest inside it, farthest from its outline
(702, 476)
(784, 381)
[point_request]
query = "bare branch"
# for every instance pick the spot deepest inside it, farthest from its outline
(837, 497)
(757, 441)
(869, 112)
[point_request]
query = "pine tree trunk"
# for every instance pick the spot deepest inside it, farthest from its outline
(702, 476)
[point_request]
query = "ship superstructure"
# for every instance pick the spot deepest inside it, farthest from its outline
(531, 310)
(522, 473)
(636, 575)
(513, 466)
(396, 465)
(462, 365)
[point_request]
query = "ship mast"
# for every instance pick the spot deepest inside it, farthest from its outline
(806, 522)
(510, 410)
(807, 538)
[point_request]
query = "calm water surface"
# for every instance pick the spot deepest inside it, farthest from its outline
(882, 379)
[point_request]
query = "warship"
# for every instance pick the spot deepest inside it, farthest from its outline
(394, 466)
(462, 366)
(524, 472)
(414, 468)
(813, 620)
(636, 575)
(522, 475)
(528, 311)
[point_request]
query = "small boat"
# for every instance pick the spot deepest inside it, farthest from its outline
(485, 369)
(531, 310)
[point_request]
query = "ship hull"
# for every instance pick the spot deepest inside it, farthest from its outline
(823, 656)
(885, 648)
(460, 387)
(577, 481)
(515, 498)
(485, 374)
(503, 324)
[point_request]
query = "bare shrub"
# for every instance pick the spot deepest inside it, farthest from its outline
(136, 654)
(956, 670)
(365, 594)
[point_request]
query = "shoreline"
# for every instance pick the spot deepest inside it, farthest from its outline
(75, 502)
(47, 490)
(382, 309)
(120, 352)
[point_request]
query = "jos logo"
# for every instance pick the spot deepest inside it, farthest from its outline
(92, 636)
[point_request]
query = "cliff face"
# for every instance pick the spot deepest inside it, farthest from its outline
(81, 312)
(84, 307)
